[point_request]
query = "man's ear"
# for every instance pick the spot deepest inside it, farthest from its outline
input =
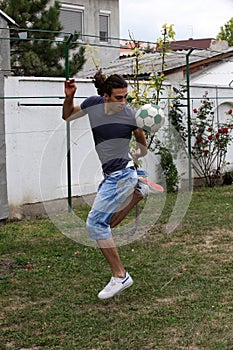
(106, 97)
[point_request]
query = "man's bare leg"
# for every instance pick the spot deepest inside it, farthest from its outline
(110, 252)
(120, 279)
(121, 214)
(108, 246)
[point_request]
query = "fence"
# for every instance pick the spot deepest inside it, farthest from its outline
(40, 146)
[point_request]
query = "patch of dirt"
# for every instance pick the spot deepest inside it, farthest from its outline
(6, 265)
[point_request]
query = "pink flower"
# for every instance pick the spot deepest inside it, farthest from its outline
(217, 135)
(225, 130)
(220, 130)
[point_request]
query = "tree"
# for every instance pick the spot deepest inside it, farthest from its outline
(226, 32)
(44, 54)
(151, 93)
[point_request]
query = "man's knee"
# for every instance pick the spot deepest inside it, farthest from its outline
(137, 195)
(97, 229)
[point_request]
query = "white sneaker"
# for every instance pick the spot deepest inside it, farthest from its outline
(146, 187)
(115, 286)
(143, 189)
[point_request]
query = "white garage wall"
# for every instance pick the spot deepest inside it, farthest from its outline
(36, 139)
(36, 142)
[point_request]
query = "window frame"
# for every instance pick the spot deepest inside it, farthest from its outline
(78, 9)
(105, 14)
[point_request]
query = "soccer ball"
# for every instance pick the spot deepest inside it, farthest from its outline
(150, 117)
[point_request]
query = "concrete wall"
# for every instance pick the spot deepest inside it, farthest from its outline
(103, 52)
(36, 141)
(111, 50)
(223, 101)
(3, 184)
(4, 69)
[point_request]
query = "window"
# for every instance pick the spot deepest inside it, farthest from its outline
(71, 18)
(104, 26)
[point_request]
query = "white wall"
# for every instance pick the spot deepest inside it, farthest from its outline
(223, 101)
(218, 75)
(4, 70)
(36, 142)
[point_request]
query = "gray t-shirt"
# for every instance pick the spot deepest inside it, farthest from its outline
(111, 132)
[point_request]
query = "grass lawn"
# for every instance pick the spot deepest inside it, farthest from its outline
(182, 297)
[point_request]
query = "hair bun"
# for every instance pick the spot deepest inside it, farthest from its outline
(99, 80)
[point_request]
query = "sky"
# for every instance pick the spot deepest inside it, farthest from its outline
(191, 18)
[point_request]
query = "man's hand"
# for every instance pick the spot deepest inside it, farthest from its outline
(141, 147)
(70, 88)
(137, 153)
(69, 111)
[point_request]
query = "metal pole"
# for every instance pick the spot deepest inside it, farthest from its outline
(189, 118)
(67, 73)
(217, 106)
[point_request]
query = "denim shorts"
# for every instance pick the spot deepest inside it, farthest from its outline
(111, 194)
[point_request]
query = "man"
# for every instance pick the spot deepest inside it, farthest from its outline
(112, 122)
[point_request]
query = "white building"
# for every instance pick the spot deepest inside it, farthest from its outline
(36, 139)
(97, 22)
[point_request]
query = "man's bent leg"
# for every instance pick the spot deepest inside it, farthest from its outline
(121, 214)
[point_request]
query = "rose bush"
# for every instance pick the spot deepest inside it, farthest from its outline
(209, 138)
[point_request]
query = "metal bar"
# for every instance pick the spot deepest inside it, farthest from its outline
(216, 88)
(189, 118)
(62, 97)
(28, 97)
(67, 73)
(40, 104)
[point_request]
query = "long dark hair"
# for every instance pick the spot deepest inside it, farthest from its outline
(105, 85)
